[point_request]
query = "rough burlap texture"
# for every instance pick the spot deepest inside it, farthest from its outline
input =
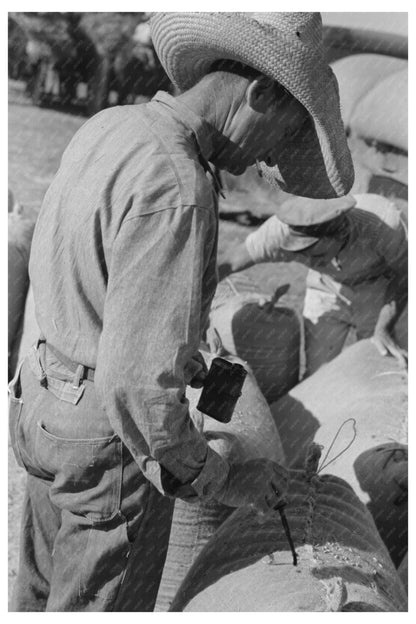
(343, 564)
(250, 434)
(372, 389)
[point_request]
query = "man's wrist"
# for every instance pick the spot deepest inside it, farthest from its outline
(213, 475)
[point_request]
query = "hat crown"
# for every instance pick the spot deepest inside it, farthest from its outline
(307, 27)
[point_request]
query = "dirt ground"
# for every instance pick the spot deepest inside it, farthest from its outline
(37, 138)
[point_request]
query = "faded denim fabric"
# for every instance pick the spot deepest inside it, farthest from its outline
(94, 529)
(123, 267)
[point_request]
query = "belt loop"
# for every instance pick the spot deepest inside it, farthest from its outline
(40, 341)
(79, 376)
(43, 380)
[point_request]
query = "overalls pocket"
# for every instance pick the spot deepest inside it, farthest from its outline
(86, 473)
(85, 476)
(15, 412)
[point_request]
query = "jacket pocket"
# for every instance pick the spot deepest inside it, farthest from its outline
(15, 412)
(86, 474)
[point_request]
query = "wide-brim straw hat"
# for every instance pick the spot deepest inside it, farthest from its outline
(293, 241)
(288, 48)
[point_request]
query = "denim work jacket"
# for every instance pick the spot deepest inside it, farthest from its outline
(123, 268)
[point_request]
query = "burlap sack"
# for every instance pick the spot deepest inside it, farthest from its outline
(373, 95)
(359, 384)
(267, 338)
(342, 563)
(250, 434)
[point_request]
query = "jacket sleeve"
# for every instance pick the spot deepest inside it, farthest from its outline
(264, 245)
(151, 329)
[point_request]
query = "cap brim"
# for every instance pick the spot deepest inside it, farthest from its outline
(317, 162)
(295, 242)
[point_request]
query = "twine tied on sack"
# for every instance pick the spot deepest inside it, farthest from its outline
(312, 470)
(325, 465)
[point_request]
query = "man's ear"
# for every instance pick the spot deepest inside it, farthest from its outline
(261, 94)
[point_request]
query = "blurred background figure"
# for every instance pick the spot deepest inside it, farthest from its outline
(86, 61)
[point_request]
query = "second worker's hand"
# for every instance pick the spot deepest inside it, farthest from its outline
(386, 345)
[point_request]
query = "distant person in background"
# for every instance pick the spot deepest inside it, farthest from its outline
(123, 269)
(356, 251)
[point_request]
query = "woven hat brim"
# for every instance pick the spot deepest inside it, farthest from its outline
(317, 162)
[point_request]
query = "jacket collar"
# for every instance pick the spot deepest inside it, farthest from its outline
(198, 126)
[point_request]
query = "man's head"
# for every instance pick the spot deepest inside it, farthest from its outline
(288, 49)
(328, 237)
(254, 114)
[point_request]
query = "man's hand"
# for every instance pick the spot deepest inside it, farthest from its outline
(233, 259)
(387, 346)
(382, 337)
(224, 270)
(258, 483)
(195, 371)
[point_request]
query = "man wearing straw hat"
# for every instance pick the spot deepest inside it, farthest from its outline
(355, 248)
(123, 273)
